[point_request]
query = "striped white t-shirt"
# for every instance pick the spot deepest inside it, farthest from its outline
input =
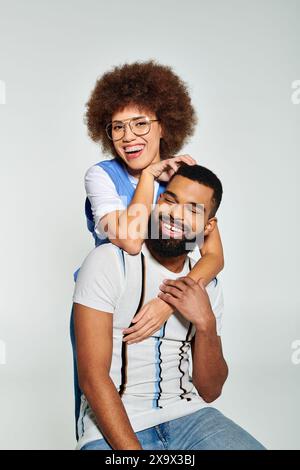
(153, 377)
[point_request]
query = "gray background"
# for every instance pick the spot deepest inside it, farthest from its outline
(240, 59)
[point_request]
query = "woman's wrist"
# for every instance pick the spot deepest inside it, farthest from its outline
(146, 173)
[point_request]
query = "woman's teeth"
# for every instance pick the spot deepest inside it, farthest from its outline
(135, 149)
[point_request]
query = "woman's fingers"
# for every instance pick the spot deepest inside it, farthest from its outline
(140, 314)
(165, 169)
(140, 335)
(174, 166)
(186, 158)
(136, 328)
(139, 320)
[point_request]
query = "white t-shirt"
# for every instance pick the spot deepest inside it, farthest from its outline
(159, 387)
(103, 196)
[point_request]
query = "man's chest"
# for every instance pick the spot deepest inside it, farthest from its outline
(142, 286)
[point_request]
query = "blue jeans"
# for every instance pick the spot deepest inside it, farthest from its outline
(205, 429)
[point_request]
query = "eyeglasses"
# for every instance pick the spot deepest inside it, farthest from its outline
(139, 126)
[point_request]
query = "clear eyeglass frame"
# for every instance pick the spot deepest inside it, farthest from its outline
(130, 122)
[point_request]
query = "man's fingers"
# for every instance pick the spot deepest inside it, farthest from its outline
(178, 283)
(170, 299)
(174, 283)
(201, 283)
(187, 280)
(171, 290)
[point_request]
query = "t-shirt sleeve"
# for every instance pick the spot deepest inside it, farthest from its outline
(215, 293)
(102, 194)
(100, 279)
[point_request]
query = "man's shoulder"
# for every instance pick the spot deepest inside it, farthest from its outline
(103, 257)
(107, 256)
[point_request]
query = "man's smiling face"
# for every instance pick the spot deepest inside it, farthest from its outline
(181, 214)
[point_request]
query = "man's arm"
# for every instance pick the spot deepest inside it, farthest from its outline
(209, 366)
(191, 300)
(93, 330)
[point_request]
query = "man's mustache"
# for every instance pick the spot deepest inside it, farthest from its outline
(169, 219)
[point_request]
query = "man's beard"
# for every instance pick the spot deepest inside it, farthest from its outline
(166, 247)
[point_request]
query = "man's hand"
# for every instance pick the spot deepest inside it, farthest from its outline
(148, 320)
(191, 300)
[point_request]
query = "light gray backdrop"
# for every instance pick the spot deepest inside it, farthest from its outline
(241, 60)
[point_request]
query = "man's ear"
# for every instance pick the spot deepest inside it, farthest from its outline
(210, 225)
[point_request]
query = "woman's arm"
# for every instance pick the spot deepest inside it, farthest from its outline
(120, 226)
(212, 258)
(127, 228)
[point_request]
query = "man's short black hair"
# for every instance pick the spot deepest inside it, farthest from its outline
(207, 178)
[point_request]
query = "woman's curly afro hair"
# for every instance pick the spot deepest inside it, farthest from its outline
(151, 87)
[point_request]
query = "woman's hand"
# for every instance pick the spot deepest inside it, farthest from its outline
(165, 169)
(148, 320)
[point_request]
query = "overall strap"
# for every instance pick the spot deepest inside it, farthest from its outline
(119, 176)
(115, 168)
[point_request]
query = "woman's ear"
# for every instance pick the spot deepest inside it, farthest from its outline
(210, 225)
(161, 133)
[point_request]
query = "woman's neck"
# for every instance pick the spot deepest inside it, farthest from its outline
(137, 173)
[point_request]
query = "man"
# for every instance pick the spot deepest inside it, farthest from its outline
(141, 395)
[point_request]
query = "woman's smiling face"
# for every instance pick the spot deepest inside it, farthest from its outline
(138, 152)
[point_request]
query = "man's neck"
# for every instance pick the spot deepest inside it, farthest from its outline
(174, 264)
